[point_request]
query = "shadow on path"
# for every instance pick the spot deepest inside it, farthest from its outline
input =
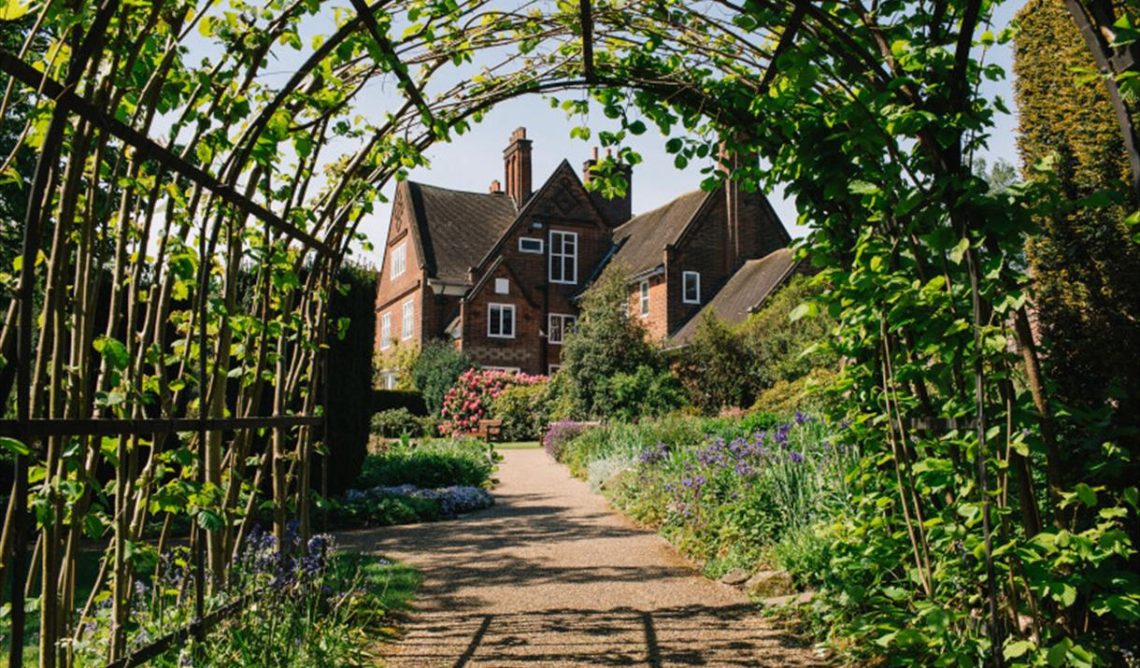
(552, 577)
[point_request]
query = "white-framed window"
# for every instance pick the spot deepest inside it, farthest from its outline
(501, 321)
(391, 379)
(408, 319)
(643, 298)
(508, 369)
(530, 245)
(502, 286)
(558, 325)
(691, 287)
(551, 369)
(385, 331)
(563, 257)
(399, 259)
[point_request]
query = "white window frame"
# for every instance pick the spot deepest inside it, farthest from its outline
(643, 298)
(507, 369)
(538, 240)
(564, 321)
(502, 286)
(385, 331)
(552, 368)
(391, 379)
(502, 309)
(408, 320)
(557, 255)
(399, 260)
(685, 276)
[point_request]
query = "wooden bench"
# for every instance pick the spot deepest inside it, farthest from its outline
(490, 430)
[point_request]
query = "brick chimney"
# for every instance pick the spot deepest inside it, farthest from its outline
(516, 162)
(496, 187)
(618, 210)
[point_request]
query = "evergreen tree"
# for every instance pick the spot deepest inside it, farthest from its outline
(606, 342)
(1085, 267)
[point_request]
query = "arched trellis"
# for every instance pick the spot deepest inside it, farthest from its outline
(121, 208)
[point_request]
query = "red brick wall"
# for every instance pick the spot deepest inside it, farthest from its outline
(392, 293)
(563, 206)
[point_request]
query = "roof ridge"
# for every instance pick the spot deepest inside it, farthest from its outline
(421, 184)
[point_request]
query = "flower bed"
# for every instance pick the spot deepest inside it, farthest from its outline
(452, 501)
(723, 493)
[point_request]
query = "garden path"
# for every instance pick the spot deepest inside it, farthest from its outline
(551, 576)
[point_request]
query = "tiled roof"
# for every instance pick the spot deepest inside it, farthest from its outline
(753, 283)
(458, 228)
(644, 238)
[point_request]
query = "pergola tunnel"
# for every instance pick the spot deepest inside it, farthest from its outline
(185, 215)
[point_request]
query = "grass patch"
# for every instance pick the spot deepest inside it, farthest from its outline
(518, 445)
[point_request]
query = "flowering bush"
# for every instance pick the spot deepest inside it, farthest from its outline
(721, 491)
(560, 433)
(469, 400)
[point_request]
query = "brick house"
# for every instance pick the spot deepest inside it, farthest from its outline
(499, 273)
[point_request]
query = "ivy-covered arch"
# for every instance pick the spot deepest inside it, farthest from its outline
(185, 222)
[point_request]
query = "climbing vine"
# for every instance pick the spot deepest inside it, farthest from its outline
(191, 203)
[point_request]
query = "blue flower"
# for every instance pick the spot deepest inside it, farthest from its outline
(796, 457)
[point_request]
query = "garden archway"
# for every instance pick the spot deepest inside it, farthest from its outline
(206, 343)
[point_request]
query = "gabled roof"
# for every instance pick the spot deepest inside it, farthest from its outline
(644, 238)
(536, 198)
(743, 292)
(457, 228)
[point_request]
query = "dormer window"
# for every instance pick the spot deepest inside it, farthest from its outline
(691, 287)
(563, 257)
(399, 260)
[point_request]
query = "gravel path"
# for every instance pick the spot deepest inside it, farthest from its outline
(553, 577)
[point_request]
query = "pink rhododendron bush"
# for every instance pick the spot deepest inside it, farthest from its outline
(469, 400)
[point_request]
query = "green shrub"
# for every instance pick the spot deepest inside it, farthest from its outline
(396, 422)
(605, 343)
(524, 411)
(710, 367)
(646, 392)
(777, 344)
(436, 369)
(433, 463)
(350, 363)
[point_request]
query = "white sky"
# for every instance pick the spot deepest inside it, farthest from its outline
(473, 160)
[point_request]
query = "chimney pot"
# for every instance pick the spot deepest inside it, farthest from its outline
(496, 187)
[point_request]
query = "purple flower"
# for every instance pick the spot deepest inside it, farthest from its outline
(654, 454)
(743, 469)
(782, 433)
(796, 457)
(801, 418)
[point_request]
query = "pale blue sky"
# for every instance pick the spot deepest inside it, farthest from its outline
(473, 160)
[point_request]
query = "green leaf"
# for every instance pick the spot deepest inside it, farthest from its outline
(113, 352)
(959, 250)
(209, 520)
(1086, 494)
(14, 446)
(1017, 648)
(804, 310)
(12, 10)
